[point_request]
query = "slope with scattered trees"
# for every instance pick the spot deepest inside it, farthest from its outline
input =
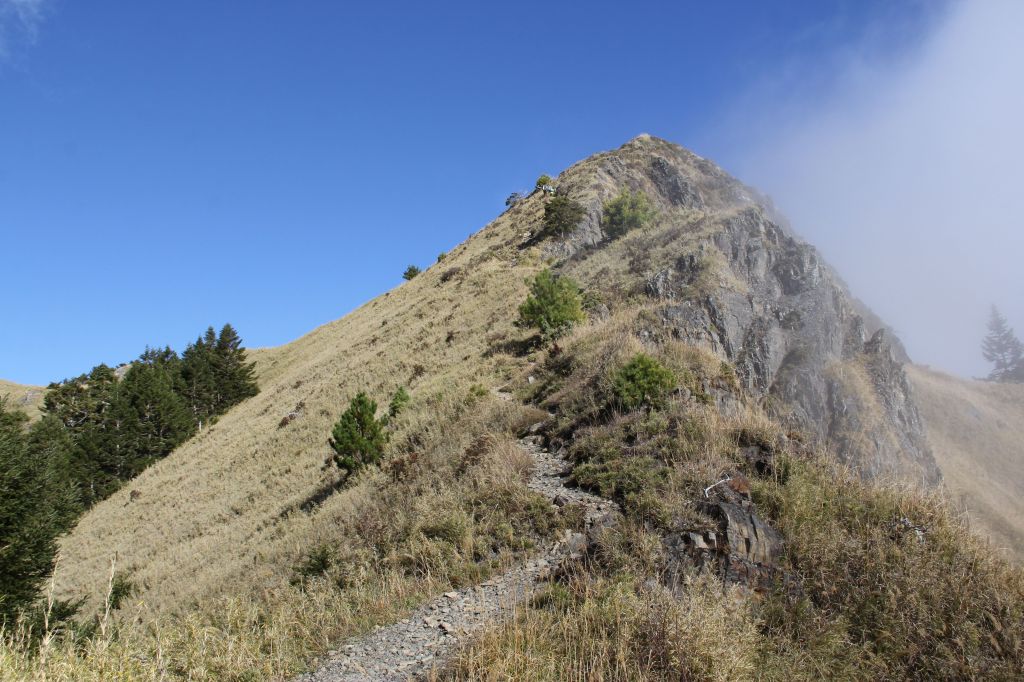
(252, 552)
(98, 431)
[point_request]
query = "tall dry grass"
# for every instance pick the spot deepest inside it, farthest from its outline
(885, 582)
(608, 629)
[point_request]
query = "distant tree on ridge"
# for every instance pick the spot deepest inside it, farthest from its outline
(1003, 349)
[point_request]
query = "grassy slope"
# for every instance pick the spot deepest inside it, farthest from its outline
(25, 398)
(977, 432)
(213, 518)
(208, 519)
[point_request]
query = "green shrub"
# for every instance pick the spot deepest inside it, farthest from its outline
(643, 382)
(121, 587)
(410, 272)
(441, 256)
(628, 211)
(398, 402)
(316, 564)
(358, 438)
(553, 306)
(543, 181)
(561, 216)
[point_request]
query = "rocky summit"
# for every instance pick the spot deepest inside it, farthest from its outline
(730, 275)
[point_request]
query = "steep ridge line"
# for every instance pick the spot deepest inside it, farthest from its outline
(413, 646)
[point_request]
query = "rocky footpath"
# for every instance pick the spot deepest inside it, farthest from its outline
(410, 648)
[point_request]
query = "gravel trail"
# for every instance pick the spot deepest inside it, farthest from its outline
(410, 648)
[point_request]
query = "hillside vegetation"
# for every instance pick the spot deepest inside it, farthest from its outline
(28, 399)
(690, 394)
(976, 429)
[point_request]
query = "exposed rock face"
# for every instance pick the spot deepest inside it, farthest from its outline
(742, 550)
(731, 276)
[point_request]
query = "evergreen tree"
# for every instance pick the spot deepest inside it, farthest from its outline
(118, 427)
(153, 417)
(236, 378)
(627, 211)
(1003, 349)
(88, 408)
(398, 402)
(553, 306)
(199, 376)
(562, 215)
(36, 505)
(358, 438)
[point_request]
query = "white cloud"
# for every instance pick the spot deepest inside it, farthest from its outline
(19, 22)
(909, 176)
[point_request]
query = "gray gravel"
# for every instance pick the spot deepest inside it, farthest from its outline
(410, 648)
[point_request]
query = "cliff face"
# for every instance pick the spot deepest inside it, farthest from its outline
(725, 272)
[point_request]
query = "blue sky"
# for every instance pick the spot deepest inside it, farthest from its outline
(166, 166)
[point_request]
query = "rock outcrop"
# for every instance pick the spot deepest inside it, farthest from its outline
(742, 550)
(727, 273)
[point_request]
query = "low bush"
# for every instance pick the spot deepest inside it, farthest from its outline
(643, 382)
(398, 402)
(410, 272)
(626, 212)
(553, 306)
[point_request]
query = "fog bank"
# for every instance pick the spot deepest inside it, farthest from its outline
(908, 174)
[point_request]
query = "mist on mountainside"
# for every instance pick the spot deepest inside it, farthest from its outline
(906, 173)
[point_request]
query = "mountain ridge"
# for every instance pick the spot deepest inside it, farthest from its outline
(398, 339)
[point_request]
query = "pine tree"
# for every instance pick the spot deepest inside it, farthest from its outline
(561, 216)
(88, 408)
(399, 400)
(236, 378)
(36, 505)
(358, 438)
(1003, 349)
(553, 306)
(153, 417)
(199, 376)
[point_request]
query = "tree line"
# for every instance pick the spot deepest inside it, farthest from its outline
(97, 431)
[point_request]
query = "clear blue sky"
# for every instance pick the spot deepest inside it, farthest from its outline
(166, 166)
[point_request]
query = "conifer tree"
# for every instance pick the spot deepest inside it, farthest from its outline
(235, 376)
(153, 417)
(398, 402)
(88, 408)
(358, 438)
(1003, 349)
(36, 505)
(553, 306)
(562, 215)
(199, 376)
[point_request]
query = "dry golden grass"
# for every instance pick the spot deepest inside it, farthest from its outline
(976, 430)
(605, 630)
(887, 582)
(218, 527)
(446, 517)
(217, 530)
(213, 517)
(28, 399)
